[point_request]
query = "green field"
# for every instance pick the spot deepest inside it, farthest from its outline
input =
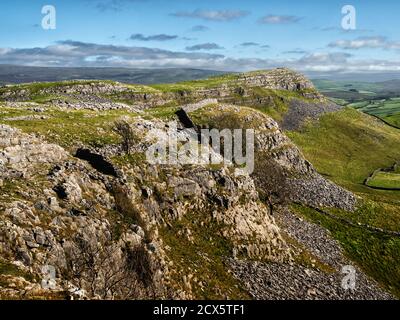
(380, 108)
(335, 86)
(393, 119)
(385, 180)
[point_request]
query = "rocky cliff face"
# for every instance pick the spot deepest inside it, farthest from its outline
(101, 233)
(307, 186)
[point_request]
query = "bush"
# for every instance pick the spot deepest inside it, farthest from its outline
(271, 182)
(125, 131)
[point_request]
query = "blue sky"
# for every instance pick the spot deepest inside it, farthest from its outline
(226, 35)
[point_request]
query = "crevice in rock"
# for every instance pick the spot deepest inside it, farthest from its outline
(97, 161)
(185, 119)
(60, 191)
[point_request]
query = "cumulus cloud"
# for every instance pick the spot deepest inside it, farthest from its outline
(378, 42)
(204, 46)
(212, 15)
(156, 37)
(76, 54)
(82, 54)
(278, 19)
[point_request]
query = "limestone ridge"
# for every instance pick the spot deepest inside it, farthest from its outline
(147, 96)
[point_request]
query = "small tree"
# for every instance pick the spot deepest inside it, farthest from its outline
(125, 131)
(271, 182)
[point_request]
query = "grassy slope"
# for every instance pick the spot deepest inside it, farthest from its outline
(386, 109)
(348, 146)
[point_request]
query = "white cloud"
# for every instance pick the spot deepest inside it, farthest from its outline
(213, 15)
(377, 42)
(279, 19)
(4, 51)
(82, 54)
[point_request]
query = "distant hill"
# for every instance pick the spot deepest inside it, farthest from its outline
(356, 90)
(355, 77)
(10, 74)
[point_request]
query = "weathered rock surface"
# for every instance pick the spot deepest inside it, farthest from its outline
(20, 153)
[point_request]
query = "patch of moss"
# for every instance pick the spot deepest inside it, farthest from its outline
(164, 112)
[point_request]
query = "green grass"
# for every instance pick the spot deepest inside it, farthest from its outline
(378, 255)
(385, 180)
(346, 147)
(380, 108)
(165, 112)
(68, 128)
(393, 119)
(188, 86)
(378, 99)
(349, 91)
